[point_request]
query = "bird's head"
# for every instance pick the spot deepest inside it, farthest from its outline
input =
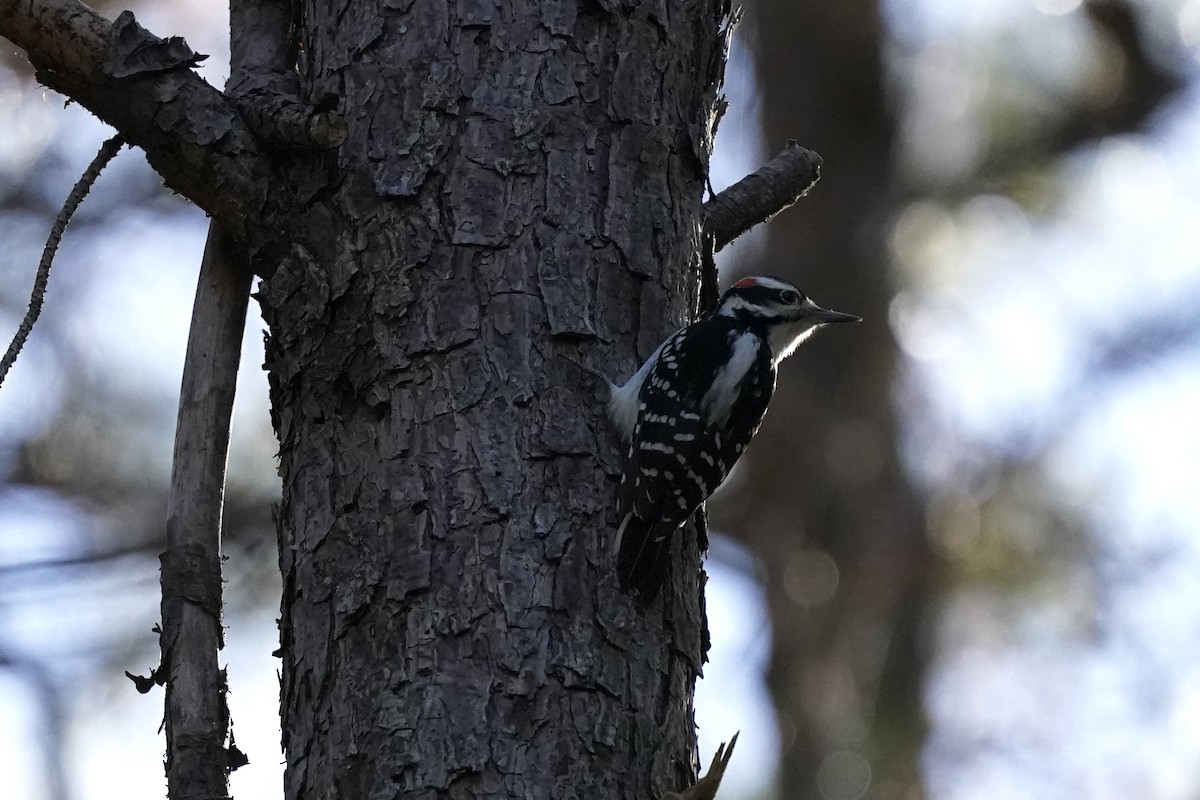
(787, 315)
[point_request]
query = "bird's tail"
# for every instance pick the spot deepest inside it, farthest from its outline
(643, 552)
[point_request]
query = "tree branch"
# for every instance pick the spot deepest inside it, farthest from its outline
(265, 85)
(761, 194)
(197, 716)
(261, 57)
(82, 187)
(144, 87)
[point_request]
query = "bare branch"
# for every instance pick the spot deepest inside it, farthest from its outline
(761, 194)
(82, 187)
(265, 84)
(197, 716)
(271, 106)
(197, 713)
(143, 86)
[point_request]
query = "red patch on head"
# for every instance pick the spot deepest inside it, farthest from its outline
(746, 283)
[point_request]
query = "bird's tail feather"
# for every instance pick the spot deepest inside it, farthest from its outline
(643, 553)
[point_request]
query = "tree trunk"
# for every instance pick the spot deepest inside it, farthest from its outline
(518, 181)
(824, 500)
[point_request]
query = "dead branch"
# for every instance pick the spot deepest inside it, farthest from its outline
(144, 87)
(762, 194)
(82, 187)
(197, 716)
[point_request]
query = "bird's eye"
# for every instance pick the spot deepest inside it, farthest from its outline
(790, 297)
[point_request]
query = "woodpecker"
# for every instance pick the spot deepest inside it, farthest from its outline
(688, 413)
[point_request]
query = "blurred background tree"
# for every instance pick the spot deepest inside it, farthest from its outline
(962, 551)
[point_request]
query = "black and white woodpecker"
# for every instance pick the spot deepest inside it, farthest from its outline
(689, 412)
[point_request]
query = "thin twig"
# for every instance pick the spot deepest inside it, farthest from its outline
(82, 187)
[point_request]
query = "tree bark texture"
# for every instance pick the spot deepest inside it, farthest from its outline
(823, 483)
(518, 180)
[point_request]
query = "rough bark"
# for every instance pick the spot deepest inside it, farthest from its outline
(823, 479)
(516, 181)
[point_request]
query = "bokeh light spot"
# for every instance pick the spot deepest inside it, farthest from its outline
(810, 577)
(844, 775)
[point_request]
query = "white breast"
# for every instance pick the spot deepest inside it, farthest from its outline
(719, 399)
(786, 338)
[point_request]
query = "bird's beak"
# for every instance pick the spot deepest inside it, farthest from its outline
(824, 316)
